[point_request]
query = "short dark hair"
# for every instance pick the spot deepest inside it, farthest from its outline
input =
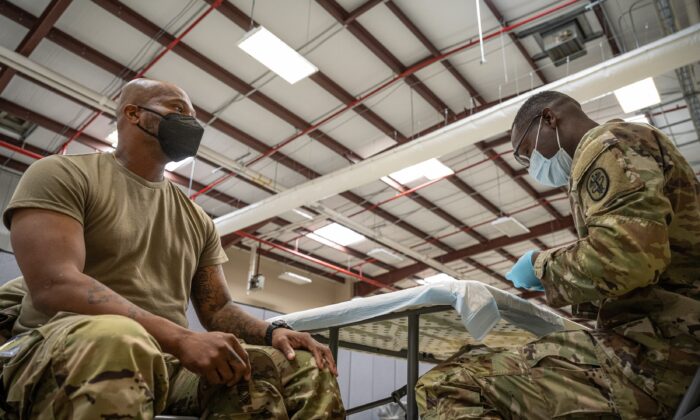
(533, 107)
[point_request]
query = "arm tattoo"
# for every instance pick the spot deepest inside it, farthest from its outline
(206, 297)
(98, 294)
(234, 320)
(218, 312)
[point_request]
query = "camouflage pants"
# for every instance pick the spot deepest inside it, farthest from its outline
(109, 367)
(558, 376)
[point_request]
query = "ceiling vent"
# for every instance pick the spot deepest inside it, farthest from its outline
(563, 38)
(15, 127)
(563, 42)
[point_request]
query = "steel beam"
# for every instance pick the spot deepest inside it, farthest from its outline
(502, 20)
(345, 97)
(152, 30)
(39, 30)
(607, 29)
(337, 11)
(408, 23)
(362, 9)
(490, 245)
(239, 17)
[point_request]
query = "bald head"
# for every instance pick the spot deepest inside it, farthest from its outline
(147, 92)
(142, 105)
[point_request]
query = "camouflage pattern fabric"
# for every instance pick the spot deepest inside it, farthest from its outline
(636, 205)
(11, 294)
(636, 268)
(558, 376)
(109, 367)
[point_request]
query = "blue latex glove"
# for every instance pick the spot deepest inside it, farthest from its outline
(523, 274)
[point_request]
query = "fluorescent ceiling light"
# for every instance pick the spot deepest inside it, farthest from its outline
(174, 165)
(437, 278)
(339, 234)
(294, 278)
(274, 54)
(113, 138)
(638, 119)
(638, 95)
(303, 214)
(510, 226)
(431, 169)
(385, 255)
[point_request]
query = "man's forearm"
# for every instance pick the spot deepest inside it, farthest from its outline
(83, 294)
(232, 319)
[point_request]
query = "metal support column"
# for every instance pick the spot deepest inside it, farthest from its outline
(412, 377)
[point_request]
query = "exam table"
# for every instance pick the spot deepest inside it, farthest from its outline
(429, 323)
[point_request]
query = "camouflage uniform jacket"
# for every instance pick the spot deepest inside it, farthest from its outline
(636, 205)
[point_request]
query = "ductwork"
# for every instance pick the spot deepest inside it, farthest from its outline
(661, 56)
(55, 80)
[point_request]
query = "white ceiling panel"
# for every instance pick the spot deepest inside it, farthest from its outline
(253, 119)
(314, 155)
(11, 33)
(343, 51)
(390, 32)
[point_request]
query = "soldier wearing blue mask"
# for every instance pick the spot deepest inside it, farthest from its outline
(635, 269)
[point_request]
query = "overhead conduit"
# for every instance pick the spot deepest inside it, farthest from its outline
(658, 57)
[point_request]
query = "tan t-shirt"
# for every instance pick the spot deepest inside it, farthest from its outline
(144, 240)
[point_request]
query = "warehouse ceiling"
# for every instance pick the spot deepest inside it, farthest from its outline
(341, 115)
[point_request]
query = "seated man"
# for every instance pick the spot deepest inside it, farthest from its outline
(636, 267)
(110, 253)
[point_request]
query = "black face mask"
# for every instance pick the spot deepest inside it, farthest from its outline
(179, 135)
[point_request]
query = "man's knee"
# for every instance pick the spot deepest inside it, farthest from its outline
(268, 362)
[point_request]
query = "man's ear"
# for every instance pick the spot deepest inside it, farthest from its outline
(549, 118)
(131, 112)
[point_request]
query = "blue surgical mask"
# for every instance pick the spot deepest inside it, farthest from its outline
(553, 172)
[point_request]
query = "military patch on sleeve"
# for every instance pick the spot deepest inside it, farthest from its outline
(598, 183)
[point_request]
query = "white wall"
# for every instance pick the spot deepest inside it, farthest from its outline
(280, 295)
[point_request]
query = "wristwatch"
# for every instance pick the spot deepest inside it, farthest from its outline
(273, 326)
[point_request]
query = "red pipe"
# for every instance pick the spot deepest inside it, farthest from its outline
(373, 282)
(402, 75)
(20, 150)
(169, 47)
(668, 111)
